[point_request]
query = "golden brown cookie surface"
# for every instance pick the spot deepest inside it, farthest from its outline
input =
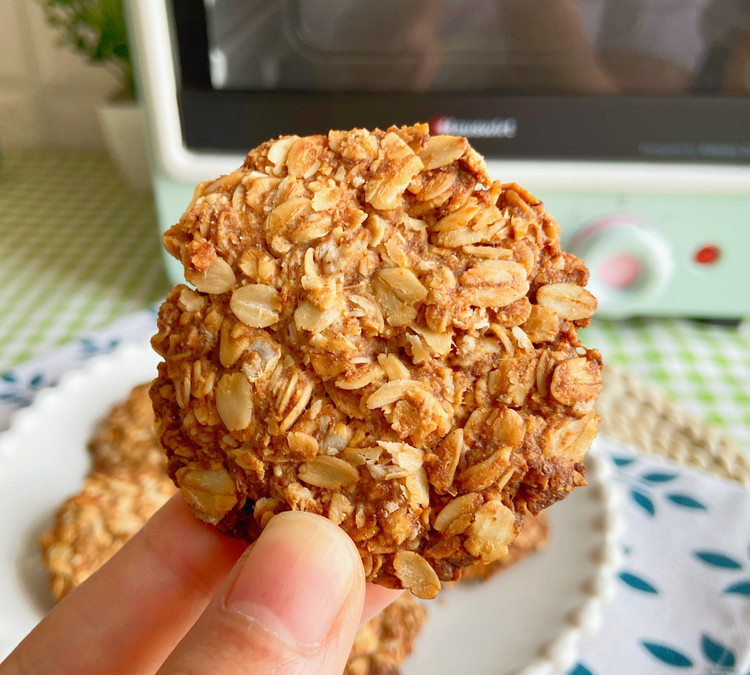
(532, 537)
(93, 525)
(125, 438)
(383, 643)
(382, 335)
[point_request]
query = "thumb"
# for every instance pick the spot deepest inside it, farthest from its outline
(292, 605)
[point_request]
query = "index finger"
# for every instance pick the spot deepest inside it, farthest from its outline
(130, 614)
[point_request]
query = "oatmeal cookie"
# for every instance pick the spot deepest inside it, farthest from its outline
(93, 525)
(383, 643)
(125, 438)
(381, 334)
(532, 537)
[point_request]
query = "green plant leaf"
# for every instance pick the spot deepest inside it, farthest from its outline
(96, 29)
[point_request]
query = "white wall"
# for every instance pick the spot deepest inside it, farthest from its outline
(48, 93)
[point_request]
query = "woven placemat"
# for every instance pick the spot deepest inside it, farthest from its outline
(637, 414)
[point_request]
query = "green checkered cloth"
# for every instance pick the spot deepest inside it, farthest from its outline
(703, 367)
(79, 249)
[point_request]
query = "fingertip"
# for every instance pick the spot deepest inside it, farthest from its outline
(292, 604)
(299, 575)
(377, 598)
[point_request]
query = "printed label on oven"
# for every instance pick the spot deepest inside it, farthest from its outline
(498, 127)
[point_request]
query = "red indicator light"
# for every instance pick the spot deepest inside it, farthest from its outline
(707, 255)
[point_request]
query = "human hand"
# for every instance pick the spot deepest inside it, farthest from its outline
(182, 598)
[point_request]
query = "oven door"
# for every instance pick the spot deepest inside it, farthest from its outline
(538, 79)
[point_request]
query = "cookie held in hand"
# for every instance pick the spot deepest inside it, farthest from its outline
(532, 537)
(380, 334)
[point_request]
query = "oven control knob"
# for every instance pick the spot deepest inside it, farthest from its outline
(629, 264)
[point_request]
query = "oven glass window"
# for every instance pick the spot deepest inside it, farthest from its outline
(545, 47)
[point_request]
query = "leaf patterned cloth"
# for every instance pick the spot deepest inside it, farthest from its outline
(682, 595)
(19, 386)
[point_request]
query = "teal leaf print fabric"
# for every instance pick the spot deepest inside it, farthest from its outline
(646, 490)
(622, 461)
(643, 501)
(716, 559)
(19, 386)
(668, 655)
(685, 501)
(681, 600)
(739, 588)
(659, 477)
(19, 389)
(717, 653)
(638, 583)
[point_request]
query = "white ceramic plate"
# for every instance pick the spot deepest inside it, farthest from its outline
(526, 620)
(529, 619)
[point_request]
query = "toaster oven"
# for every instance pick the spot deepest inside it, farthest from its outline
(630, 119)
